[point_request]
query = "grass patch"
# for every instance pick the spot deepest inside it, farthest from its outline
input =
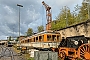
(30, 59)
(27, 56)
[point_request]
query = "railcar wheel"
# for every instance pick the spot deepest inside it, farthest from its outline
(84, 51)
(62, 55)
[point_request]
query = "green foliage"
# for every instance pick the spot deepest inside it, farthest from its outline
(58, 24)
(17, 38)
(64, 19)
(59, 58)
(68, 18)
(30, 59)
(40, 28)
(84, 11)
(9, 38)
(29, 32)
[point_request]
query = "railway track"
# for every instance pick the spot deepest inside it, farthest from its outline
(7, 53)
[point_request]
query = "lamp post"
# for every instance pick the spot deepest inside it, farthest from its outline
(19, 21)
(19, 17)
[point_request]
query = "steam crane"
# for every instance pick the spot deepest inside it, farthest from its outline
(48, 16)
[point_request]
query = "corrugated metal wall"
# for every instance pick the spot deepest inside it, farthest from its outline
(45, 55)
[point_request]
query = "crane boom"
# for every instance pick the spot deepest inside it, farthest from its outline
(48, 15)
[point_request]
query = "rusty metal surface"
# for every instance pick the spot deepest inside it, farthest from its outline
(7, 53)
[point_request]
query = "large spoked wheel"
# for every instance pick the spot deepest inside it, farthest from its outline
(62, 55)
(84, 51)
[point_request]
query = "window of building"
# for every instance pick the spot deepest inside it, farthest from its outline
(25, 41)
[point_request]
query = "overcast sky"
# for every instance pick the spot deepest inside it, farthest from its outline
(32, 14)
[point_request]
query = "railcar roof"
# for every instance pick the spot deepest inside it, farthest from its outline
(53, 32)
(44, 32)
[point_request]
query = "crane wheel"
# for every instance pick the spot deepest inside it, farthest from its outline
(84, 51)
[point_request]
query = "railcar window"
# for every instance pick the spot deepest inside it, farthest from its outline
(22, 41)
(54, 37)
(34, 39)
(58, 38)
(37, 39)
(25, 41)
(28, 40)
(48, 37)
(40, 38)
